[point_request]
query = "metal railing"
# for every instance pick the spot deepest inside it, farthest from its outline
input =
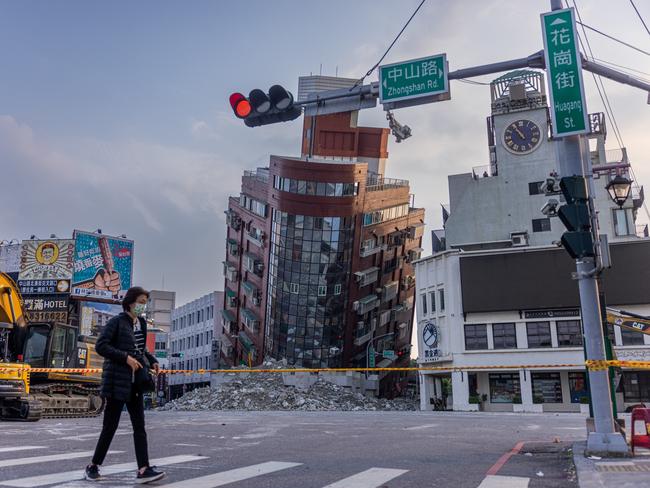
(381, 183)
(256, 176)
(484, 171)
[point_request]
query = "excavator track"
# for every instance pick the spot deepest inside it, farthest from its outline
(67, 400)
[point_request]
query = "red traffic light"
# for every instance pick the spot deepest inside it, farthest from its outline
(240, 105)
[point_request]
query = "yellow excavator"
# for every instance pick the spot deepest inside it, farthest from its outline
(29, 395)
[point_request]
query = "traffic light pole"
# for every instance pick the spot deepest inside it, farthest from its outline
(574, 161)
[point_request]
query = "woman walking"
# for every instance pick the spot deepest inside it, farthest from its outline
(122, 343)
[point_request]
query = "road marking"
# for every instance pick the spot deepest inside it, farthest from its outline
(21, 448)
(370, 478)
(418, 427)
(233, 475)
(86, 437)
(52, 457)
(50, 479)
(494, 481)
(504, 459)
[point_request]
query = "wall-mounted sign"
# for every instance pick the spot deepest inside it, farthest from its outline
(551, 314)
(431, 352)
(44, 287)
(46, 308)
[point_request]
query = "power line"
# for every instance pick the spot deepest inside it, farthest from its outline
(602, 93)
(360, 80)
(614, 39)
(640, 18)
(626, 68)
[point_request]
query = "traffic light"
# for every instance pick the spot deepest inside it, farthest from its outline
(178, 354)
(265, 108)
(578, 241)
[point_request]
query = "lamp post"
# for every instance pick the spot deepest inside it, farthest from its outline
(619, 189)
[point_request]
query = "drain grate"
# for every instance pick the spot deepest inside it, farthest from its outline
(623, 468)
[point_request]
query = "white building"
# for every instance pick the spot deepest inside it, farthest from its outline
(498, 291)
(195, 335)
(160, 306)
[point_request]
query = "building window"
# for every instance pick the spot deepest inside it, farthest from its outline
(504, 336)
(432, 300)
(541, 225)
(322, 290)
(337, 289)
(623, 223)
(539, 334)
(578, 386)
(547, 387)
(569, 333)
(441, 299)
(534, 188)
(631, 337)
(636, 386)
(424, 303)
(295, 288)
(475, 337)
(385, 214)
(504, 387)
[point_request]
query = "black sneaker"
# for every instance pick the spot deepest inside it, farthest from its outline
(149, 475)
(92, 473)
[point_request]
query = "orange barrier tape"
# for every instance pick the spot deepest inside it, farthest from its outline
(590, 364)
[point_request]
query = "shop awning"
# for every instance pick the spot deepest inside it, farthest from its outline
(245, 341)
(228, 316)
(230, 293)
(249, 314)
(249, 288)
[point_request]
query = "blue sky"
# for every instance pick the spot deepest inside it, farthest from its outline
(114, 115)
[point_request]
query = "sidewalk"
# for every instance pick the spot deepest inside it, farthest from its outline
(607, 472)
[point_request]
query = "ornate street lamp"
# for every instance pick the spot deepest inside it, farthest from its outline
(619, 189)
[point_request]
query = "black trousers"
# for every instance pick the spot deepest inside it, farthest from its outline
(112, 413)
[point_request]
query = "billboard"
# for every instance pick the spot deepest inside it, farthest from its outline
(10, 259)
(103, 266)
(46, 259)
(46, 308)
(95, 315)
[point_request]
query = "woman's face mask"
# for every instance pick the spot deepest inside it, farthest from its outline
(139, 308)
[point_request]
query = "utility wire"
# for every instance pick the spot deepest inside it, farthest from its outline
(629, 71)
(601, 92)
(614, 39)
(640, 18)
(360, 80)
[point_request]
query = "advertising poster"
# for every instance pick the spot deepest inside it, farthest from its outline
(95, 316)
(46, 308)
(10, 260)
(46, 259)
(102, 266)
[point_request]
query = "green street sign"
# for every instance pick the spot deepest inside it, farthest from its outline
(388, 354)
(564, 72)
(371, 357)
(416, 78)
(161, 354)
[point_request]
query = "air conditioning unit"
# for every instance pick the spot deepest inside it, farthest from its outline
(355, 305)
(519, 239)
(361, 324)
(256, 300)
(334, 351)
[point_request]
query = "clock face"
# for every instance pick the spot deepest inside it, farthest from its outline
(522, 137)
(430, 334)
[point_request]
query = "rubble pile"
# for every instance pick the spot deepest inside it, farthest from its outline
(267, 391)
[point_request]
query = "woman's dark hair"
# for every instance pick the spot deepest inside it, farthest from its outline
(131, 296)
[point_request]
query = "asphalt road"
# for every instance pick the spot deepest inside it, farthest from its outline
(305, 449)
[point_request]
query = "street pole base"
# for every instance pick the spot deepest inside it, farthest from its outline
(611, 444)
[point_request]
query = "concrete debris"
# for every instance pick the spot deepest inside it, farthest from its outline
(267, 391)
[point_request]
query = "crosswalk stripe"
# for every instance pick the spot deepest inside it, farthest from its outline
(230, 476)
(45, 459)
(496, 481)
(50, 479)
(370, 478)
(21, 448)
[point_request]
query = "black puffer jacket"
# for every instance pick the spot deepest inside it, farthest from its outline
(115, 343)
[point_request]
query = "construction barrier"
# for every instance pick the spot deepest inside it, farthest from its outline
(590, 364)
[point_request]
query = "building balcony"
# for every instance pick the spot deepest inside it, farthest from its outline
(379, 183)
(366, 304)
(364, 252)
(366, 276)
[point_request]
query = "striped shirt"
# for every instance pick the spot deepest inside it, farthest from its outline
(140, 338)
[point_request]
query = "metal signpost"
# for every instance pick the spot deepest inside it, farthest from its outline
(371, 357)
(569, 117)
